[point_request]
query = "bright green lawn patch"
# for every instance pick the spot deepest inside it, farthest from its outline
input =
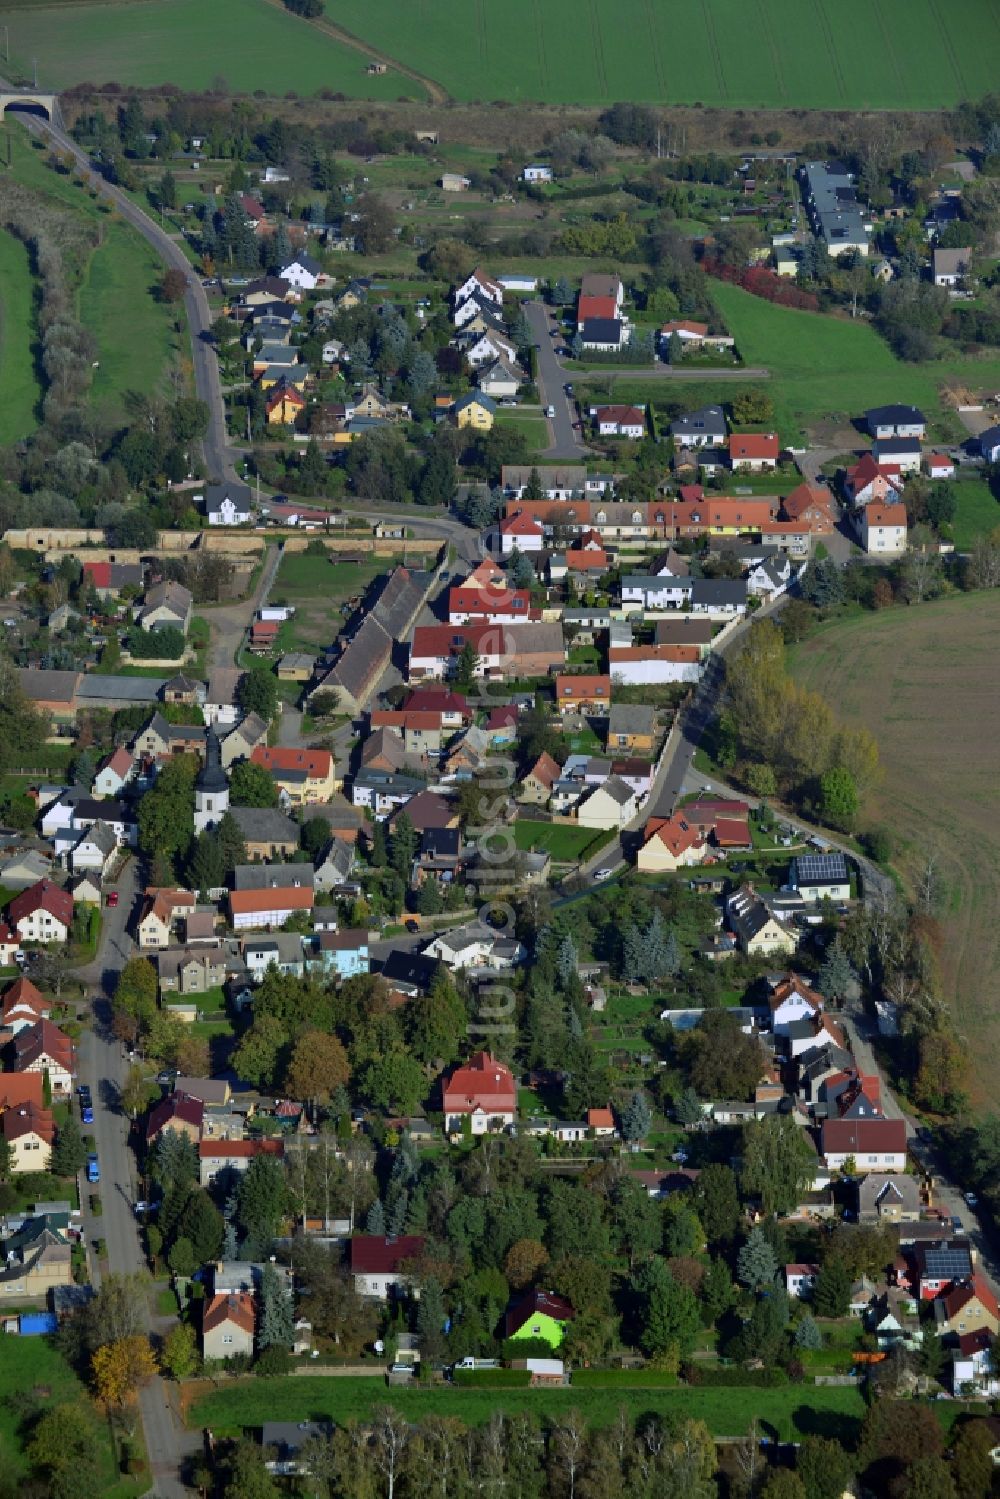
(319, 577)
(134, 349)
(977, 512)
(826, 368)
(533, 429)
(563, 842)
(790, 1411)
(250, 43)
(19, 387)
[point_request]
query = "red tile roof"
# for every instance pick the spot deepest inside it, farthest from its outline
(436, 700)
(43, 896)
(43, 1039)
(751, 445)
(234, 1306)
(251, 902)
(545, 770)
(575, 688)
(622, 416)
(600, 1119)
(521, 525)
(27, 1119)
(375, 1254)
(684, 325)
(179, 1106)
(482, 1083)
(17, 1088)
(596, 307)
(120, 762)
(864, 1137)
(313, 762)
(886, 515)
(490, 601)
(960, 1296)
(238, 1149)
(444, 641)
(22, 995)
(98, 573)
(676, 834)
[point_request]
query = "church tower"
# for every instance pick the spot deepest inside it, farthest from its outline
(211, 789)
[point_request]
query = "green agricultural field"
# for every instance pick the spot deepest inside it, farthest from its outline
(903, 54)
(790, 1411)
(564, 842)
(252, 44)
(19, 387)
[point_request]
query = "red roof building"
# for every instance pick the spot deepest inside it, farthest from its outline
(23, 1004)
(234, 1307)
(595, 307)
(38, 912)
(179, 1112)
(379, 1254)
(29, 1119)
(438, 700)
(500, 605)
(315, 763)
(874, 1143)
(483, 1091)
(536, 1304)
(43, 1047)
(754, 449)
(20, 1088)
(583, 693)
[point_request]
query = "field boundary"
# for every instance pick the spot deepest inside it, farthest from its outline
(713, 47)
(767, 31)
(831, 46)
(438, 95)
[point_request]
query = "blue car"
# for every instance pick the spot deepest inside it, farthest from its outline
(86, 1113)
(93, 1169)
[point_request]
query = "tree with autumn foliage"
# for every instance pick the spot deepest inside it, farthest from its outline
(120, 1370)
(317, 1068)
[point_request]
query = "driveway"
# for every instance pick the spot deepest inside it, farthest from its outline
(229, 622)
(567, 444)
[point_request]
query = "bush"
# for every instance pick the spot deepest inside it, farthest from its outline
(722, 1376)
(273, 1361)
(527, 1348)
(156, 645)
(505, 1378)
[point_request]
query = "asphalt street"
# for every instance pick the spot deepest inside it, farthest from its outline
(551, 381)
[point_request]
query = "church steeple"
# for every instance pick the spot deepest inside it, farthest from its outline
(211, 789)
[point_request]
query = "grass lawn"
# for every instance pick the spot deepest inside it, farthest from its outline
(788, 1412)
(134, 351)
(910, 676)
(977, 512)
(823, 369)
(30, 1363)
(19, 387)
(565, 843)
(534, 429)
(190, 44)
(316, 585)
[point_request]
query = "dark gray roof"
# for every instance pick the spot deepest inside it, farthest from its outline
(901, 445)
(707, 420)
(272, 876)
(602, 330)
(894, 416)
(821, 869)
(215, 494)
(631, 718)
(265, 825)
(120, 689)
(719, 591)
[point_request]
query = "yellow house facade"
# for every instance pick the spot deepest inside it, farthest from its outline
(475, 411)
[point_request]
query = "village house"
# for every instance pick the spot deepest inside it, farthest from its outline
(612, 805)
(179, 1113)
(896, 421)
(250, 909)
(536, 787)
(232, 1157)
(114, 773)
(303, 775)
(873, 1144)
(538, 1314)
(379, 1264)
(44, 1048)
(42, 913)
(267, 833)
(670, 843)
(619, 421)
(228, 1324)
(882, 528)
(481, 1091)
(191, 969)
(583, 694)
(166, 605)
(969, 1307)
(753, 925)
(754, 452)
(226, 504)
(110, 579)
(29, 1130)
(163, 907)
(632, 727)
(819, 877)
(950, 268)
(23, 1005)
(343, 954)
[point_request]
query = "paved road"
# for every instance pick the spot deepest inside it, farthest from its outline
(219, 456)
(567, 444)
(103, 1066)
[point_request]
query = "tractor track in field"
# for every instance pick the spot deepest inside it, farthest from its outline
(543, 71)
(767, 31)
(654, 45)
(890, 50)
(713, 47)
(437, 94)
(949, 47)
(595, 31)
(827, 29)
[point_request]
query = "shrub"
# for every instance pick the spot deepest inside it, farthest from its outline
(732, 1376)
(273, 1360)
(492, 1377)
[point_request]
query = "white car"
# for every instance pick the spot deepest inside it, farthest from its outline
(603, 874)
(550, 411)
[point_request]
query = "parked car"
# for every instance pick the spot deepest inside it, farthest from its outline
(93, 1169)
(113, 898)
(971, 1200)
(550, 411)
(602, 874)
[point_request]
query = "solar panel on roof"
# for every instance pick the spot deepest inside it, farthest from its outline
(952, 1263)
(819, 867)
